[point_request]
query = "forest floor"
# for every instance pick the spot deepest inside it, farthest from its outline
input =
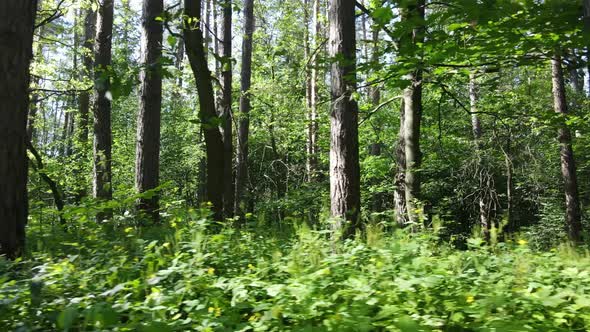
(179, 277)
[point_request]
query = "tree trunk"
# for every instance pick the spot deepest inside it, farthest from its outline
(484, 213)
(399, 195)
(587, 34)
(84, 98)
(225, 110)
(344, 149)
(147, 157)
(17, 21)
(413, 112)
(244, 126)
(375, 96)
(102, 187)
(312, 94)
(35, 99)
(568, 165)
(193, 38)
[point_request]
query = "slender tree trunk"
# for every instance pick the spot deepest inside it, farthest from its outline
(87, 61)
(375, 96)
(243, 131)
(413, 112)
(147, 157)
(35, 98)
(102, 187)
(17, 21)
(344, 150)
(312, 94)
(587, 34)
(399, 195)
(484, 213)
(568, 165)
(194, 44)
(225, 110)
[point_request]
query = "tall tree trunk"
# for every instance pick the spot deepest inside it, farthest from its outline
(312, 98)
(568, 165)
(225, 109)
(399, 195)
(587, 34)
(413, 110)
(194, 45)
(17, 21)
(147, 157)
(481, 173)
(35, 98)
(375, 97)
(102, 187)
(243, 131)
(87, 61)
(344, 150)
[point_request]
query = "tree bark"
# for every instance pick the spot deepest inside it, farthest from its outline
(344, 149)
(375, 97)
(225, 110)
(17, 21)
(587, 34)
(244, 123)
(147, 157)
(568, 165)
(194, 45)
(412, 96)
(102, 175)
(312, 94)
(87, 61)
(399, 195)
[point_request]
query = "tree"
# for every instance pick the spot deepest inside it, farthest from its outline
(568, 164)
(17, 21)
(344, 149)
(412, 97)
(481, 172)
(102, 169)
(244, 116)
(225, 108)
(87, 62)
(195, 51)
(147, 161)
(312, 83)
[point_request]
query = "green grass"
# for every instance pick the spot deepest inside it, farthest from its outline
(176, 277)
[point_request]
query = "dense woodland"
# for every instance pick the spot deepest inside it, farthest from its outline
(294, 165)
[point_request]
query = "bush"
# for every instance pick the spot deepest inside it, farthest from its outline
(176, 277)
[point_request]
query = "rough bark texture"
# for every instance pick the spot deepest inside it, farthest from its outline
(412, 96)
(84, 98)
(244, 123)
(194, 45)
(344, 150)
(17, 19)
(147, 154)
(102, 174)
(225, 110)
(568, 165)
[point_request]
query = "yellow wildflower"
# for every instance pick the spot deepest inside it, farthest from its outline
(210, 271)
(251, 267)
(522, 242)
(470, 299)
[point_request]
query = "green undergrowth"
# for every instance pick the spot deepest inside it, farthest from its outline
(179, 277)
